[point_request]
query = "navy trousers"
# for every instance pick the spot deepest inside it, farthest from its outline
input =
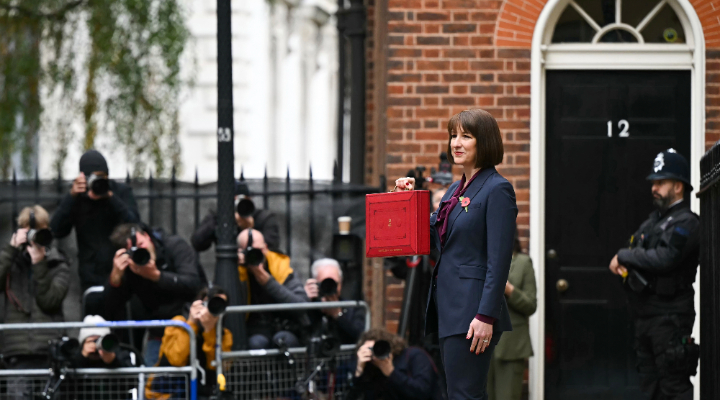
(466, 373)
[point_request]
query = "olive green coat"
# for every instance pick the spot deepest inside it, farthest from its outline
(522, 303)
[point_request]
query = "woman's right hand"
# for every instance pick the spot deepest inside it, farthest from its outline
(364, 355)
(402, 184)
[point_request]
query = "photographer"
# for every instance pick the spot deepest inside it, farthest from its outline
(94, 206)
(160, 270)
(348, 323)
(388, 369)
(35, 280)
(202, 316)
(246, 216)
(91, 354)
(270, 281)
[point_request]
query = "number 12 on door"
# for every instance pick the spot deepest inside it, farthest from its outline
(624, 127)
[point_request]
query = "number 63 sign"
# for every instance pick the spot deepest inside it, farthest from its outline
(624, 127)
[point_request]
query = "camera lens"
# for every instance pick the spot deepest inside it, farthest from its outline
(381, 349)
(43, 237)
(69, 346)
(99, 186)
(140, 256)
(245, 207)
(109, 343)
(216, 305)
(327, 287)
(254, 257)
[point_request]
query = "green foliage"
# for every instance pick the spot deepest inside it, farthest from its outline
(112, 64)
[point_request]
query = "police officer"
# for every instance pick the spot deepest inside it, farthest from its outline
(659, 269)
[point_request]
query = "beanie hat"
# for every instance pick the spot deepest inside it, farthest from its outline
(92, 161)
(94, 331)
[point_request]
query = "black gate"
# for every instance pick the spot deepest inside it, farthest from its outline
(307, 208)
(710, 273)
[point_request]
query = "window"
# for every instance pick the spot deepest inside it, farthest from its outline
(618, 21)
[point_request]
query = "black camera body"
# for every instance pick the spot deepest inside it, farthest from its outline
(42, 237)
(216, 305)
(323, 346)
(253, 256)
(61, 351)
(327, 287)
(138, 255)
(109, 343)
(99, 185)
(244, 206)
(443, 175)
(381, 349)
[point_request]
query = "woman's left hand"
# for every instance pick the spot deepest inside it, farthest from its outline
(480, 333)
(386, 366)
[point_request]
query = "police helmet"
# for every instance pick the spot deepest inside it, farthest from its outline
(671, 165)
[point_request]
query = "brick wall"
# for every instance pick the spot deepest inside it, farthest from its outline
(445, 56)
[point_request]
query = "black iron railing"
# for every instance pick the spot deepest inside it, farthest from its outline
(709, 195)
(308, 207)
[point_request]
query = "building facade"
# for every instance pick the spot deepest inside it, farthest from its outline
(586, 93)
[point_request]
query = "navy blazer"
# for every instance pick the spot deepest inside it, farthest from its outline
(475, 261)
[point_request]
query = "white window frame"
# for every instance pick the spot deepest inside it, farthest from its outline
(601, 56)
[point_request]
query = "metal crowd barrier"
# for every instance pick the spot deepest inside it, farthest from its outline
(102, 383)
(270, 373)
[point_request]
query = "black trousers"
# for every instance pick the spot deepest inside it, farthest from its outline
(653, 336)
(466, 373)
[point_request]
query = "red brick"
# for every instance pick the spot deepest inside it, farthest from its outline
(432, 40)
(460, 65)
(460, 89)
(487, 65)
(403, 101)
(474, 4)
(431, 101)
(461, 16)
(403, 77)
(458, 101)
(487, 89)
(395, 53)
(431, 135)
(513, 53)
(404, 28)
(433, 16)
(483, 16)
(432, 112)
(461, 40)
(459, 53)
(430, 89)
(459, 28)
(514, 77)
(459, 77)
(514, 101)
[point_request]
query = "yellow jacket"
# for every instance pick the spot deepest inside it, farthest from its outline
(176, 344)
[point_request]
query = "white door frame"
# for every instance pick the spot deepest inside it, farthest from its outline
(546, 56)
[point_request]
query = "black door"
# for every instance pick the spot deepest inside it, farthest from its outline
(604, 129)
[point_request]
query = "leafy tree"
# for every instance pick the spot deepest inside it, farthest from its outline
(114, 65)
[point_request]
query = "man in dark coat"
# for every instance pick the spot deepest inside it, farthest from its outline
(94, 206)
(163, 283)
(35, 280)
(659, 269)
(262, 220)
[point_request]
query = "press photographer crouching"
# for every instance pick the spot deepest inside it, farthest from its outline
(160, 270)
(270, 280)
(388, 369)
(35, 279)
(326, 285)
(99, 348)
(202, 316)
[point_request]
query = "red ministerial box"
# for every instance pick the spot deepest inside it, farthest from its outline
(397, 224)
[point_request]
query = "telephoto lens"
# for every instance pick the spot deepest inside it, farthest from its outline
(254, 257)
(139, 255)
(381, 349)
(109, 343)
(327, 287)
(99, 185)
(245, 207)
(216, 305)
(43, 237)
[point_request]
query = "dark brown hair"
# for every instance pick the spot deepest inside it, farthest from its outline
(397, 344)
(121, 234)
(483, 127)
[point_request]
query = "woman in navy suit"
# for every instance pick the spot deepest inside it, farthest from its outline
(474, 229)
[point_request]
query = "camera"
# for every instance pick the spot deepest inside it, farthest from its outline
(324, 346)
(443, 175)
(61, 351)
(244, 206)
(43, 237)
(381, 349)
(253, 256)
(327, 287)
(109, 343)
(99, 185)
(216, 305)
(138, 255)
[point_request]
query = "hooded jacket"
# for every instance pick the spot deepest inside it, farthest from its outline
(94, 222)
(34, 293)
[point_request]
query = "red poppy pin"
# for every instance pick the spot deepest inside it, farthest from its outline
(464, 202)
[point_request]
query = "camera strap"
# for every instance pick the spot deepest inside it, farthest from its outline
(32, 219)
(13, 299)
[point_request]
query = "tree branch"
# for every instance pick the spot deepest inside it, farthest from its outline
(60, 13)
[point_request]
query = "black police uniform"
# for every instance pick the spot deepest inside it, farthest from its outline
(662, 260)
